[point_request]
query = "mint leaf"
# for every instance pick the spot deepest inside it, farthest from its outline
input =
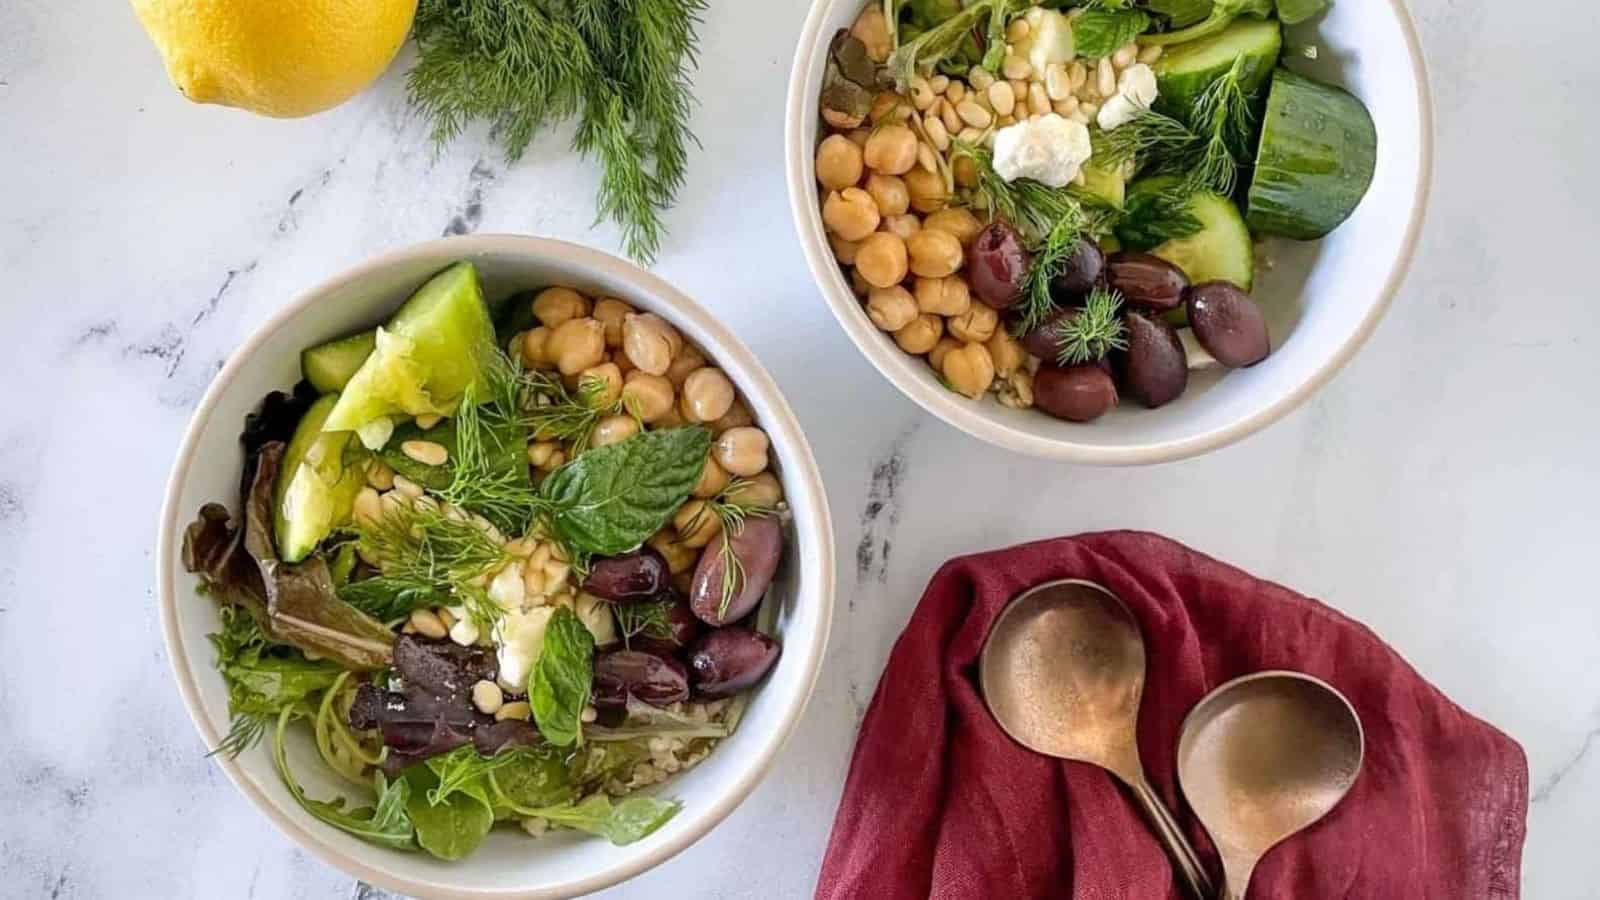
(608, 500)
(558, 687)
(1100, 32)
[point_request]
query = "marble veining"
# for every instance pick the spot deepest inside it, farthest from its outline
(1442, 489)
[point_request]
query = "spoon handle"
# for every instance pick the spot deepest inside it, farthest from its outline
(1172, 837)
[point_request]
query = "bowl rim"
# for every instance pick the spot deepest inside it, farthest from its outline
(967, 417)
(808, 479)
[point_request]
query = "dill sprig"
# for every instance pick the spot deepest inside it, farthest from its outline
(643, 620)
(732, 515)
(621, 66)
(1092, 331)
(552, 412)
(421, 545)
(1149, 135)
(489, 473)
(1223, 122)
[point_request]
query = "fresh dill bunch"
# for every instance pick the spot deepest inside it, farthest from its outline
(1092, 331)
(489, 472)
(1048, 260)
(620, 66)
(1223, 122)
(731, 515)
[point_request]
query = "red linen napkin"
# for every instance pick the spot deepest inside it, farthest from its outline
(940, 803)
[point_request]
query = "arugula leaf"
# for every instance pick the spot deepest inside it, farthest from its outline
(454, 828)
(386, 598)
(558, 687)
(631, 820)
(610, 499)
(1100, 32)
(388, 824)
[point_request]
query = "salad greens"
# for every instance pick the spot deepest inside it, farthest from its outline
(1099, 32)
(558, 689)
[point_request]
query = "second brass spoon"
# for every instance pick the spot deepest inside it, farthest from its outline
(1062, 671)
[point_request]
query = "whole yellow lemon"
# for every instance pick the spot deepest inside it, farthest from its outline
(276, 57)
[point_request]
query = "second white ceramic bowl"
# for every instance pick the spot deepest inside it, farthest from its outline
(1321, 299)
(508, 864)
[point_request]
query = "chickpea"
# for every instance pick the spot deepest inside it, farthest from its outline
(650, 342)
(536, 349)
(934, 253)
(610, 312)
(976, 325)
(647, 396)
(738, 416)
(956, 220)
(844, 251)
(969, 370)
(670, 419)
(762, 490)
(872, 29)
(891, 308)
(610, 379)
(696, 525)
(1007, 352)
(577, 344)
(613, 430)
(881, 261)
(890, 107)
(858, 136)
(937, 354)
(889, 192)
(859, 284)
(679, 558)
(965, 172)
(927, 190)
(904, 226)
(707, 395)
(620, 360)
(684, 364)
(944, 296)
(742, 451)
(556, 305)
(850, 214)
(891, 150)
(838, 163)
(713, 478)
(921, 335)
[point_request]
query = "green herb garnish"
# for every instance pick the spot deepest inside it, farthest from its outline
(620, 66)
(551, 412)
(420, 549)
(489, 469)
(558, 687)
(1222, 119)
(648, 619)
(731, 515)
(1091, 332)
(1101, 32)
(387, 823)
(610, 499)
(1034, 209)
(263, 678)
(1149, 135)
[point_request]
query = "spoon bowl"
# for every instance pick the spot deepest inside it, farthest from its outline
(1264, 757)
(1062, 672)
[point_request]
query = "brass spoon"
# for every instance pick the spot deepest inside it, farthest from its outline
(1062, 671)
(1261, 758)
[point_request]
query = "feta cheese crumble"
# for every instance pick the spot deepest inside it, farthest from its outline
(1136, 90)
(1050, 149)
(1049, 39)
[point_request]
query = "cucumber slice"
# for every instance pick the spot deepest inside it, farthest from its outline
(1220, 250)
(329, 367)
(1318, 149)
(317, 484)
(424, 359)
(1105, 184)
(1184, 71)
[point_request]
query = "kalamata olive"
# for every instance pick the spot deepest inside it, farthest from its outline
(683, 626)
(1154, 368)
(729, 660)
(757, 547)
(1228, 324)
(1080, 272)
(1075, 393)
(629, 578)
(1147, 280)
(1041, 340)
(655, 679)
(997, 265)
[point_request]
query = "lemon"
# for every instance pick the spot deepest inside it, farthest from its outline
(276, 57)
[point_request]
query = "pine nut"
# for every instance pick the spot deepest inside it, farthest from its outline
(379, 475)
(1089, 110)
(427, 624)
(1017, 30)
(956, 92)
(427, 503)
(1016, 67)
(1019, 89)
(428, 420)
(407, 487)
(922, 95)
(1077, 74)
(487, 697)
(947, 112)
(445, 616)
(979, 78)
(368, 506)
(937, 133)
(1001, 98)
(589, 714)
(539, 453)
(988, 139)
(1038, 100)
(970, 135)
(939, 83)
(1151, 53)
(1065, 107)
(518, 710)
(926, 159)
(1079, 116)
(1056, 83)
(973, 114)
(1125, 55)
(464, 632)
(426, 452)
(1107, 84)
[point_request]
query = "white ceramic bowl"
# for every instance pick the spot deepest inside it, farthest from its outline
(1322, 299)
(509, 864)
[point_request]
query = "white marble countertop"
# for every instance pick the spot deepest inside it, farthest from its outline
(1443, 489)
